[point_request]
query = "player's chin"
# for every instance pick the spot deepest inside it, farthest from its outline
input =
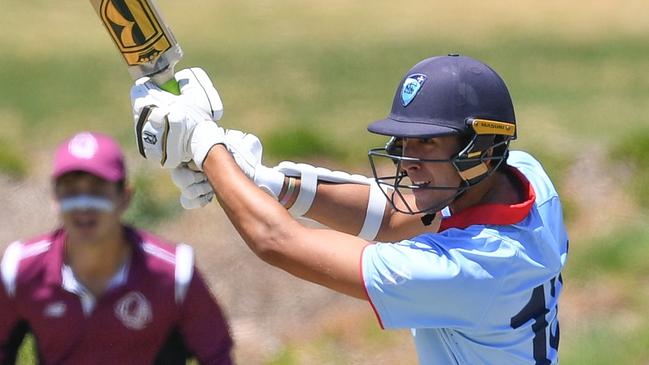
(426, 199)
(86, 234)
(87, 229)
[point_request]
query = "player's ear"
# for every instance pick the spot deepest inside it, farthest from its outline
(126, 194)
(489, 153)
(54, 190)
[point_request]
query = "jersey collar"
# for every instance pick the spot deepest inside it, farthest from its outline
(55, 260)
(494, 214)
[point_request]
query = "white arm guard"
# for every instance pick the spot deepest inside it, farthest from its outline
(374, 213)
(310, 175)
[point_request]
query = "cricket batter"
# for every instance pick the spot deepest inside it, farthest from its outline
(468, 250)
(98, 292)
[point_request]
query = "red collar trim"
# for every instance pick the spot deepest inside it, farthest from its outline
(494, 214)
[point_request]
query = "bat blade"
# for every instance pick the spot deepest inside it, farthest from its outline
(146, 43)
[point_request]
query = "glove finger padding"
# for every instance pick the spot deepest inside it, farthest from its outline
(197, 88)
(165, 122)
(163, 134)
(183, 176)
(149, 131)
(196, 203)
(192, 184)
(195, 190)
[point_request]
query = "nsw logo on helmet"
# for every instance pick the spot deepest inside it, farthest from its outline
(411, 87)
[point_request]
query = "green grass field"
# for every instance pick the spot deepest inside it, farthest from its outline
(308, 77)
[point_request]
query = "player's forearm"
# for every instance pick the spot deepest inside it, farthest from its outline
(255, 215)
(324, 257)
(349, 203)
(340, 206)
(344, 207)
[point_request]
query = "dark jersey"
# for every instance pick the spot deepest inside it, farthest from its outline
(157, 309)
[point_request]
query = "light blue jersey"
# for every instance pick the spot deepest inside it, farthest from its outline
(483, 290)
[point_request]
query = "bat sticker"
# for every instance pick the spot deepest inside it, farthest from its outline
(135, 30)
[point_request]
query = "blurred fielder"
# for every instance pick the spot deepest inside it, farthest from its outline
(98, 292)
(456, 237)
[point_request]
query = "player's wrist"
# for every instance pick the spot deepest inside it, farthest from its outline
(285, 189)
(205, 135)
(271, 181)
(290, 191)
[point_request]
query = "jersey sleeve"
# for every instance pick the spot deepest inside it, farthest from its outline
(426, 285)
(203, 326)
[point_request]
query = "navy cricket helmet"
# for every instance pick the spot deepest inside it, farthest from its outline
(443, 96)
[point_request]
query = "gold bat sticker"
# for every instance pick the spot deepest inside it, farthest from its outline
(135, 30)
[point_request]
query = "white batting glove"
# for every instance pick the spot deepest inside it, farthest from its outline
(246, 149)
(195, 190)
(165, 123)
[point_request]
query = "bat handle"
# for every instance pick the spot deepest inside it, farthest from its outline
(166, 81)
(171, 86)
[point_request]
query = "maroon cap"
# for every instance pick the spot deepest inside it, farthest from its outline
(90, 152)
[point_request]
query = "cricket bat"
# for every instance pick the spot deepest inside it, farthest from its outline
(143, 38)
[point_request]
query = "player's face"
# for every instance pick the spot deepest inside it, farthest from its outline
(431, 174)
(91, 207)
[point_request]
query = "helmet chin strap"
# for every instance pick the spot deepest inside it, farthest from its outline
(428, 219)
(431, 213)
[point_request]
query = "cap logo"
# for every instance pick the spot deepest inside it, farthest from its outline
(411, 87)
(83, 145)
